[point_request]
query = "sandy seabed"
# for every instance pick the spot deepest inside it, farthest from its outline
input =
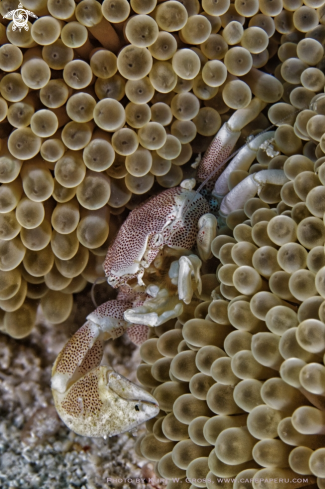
(36, 449)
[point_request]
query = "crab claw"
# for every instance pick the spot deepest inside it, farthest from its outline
(93, 400)
(103, 403)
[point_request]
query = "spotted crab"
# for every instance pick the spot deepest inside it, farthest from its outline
(92, 399)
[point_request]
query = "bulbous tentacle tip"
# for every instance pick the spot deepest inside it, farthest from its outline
(104, 403)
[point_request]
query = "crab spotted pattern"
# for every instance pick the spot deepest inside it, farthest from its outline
(76, 349)
(92, 359)
(215, 156)
(83, 397)
(148, 228)
(138, 333)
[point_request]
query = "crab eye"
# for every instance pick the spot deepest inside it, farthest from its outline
(136, 407)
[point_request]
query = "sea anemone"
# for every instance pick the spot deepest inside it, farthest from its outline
(239, 376)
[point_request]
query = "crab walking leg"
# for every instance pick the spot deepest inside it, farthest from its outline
(249, 187)
(242, 161)
(225, 140)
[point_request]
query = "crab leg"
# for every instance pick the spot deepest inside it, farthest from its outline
(93, 400)
(222, 145)
(241, 161)
(249, 187)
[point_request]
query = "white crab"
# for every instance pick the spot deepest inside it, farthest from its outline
(158, 236)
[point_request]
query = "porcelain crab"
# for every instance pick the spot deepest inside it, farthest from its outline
(152, 263)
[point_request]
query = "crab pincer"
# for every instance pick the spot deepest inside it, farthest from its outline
(93, 399)
(104, 403)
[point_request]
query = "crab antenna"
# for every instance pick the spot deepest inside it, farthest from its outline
(92, 292)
